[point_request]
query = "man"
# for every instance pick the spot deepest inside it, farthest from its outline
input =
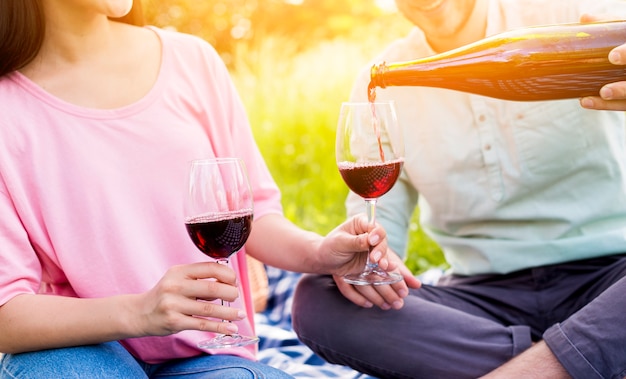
(527, 201)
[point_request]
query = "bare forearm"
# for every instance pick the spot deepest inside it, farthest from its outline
(279, 243)
(538, 362)
(36, 322)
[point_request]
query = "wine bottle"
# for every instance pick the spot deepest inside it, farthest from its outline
(536, 63)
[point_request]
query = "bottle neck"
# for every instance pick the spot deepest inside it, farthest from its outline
(383, 74)
(377, 76)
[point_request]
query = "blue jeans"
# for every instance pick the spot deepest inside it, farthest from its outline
(112, 360)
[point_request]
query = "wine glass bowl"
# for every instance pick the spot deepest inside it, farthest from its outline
(219, 236)
(370, 157)
(218, 219)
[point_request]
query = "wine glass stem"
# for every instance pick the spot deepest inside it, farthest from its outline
(371, 220)
(226, 303)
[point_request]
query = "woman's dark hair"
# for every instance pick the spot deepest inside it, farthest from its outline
(21, 33)
(22, 28)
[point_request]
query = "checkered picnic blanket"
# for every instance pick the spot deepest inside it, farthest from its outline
(279, 346)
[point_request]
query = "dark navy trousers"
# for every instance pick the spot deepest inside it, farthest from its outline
(466, 326)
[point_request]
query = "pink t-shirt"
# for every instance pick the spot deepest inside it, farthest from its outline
(91, 199)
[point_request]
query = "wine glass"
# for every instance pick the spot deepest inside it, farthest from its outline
(370, 156)
(218, 218)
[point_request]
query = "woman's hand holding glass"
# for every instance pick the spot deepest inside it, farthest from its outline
(218, 216)
(171, 306)
(344, 252)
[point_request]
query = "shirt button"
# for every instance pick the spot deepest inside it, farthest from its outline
(482, 118)
(487, 147)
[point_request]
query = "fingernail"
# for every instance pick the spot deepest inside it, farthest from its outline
(397, 304)
(587, 103)
(385, 306)
(615, 57)
(377, 256)
(368, 305)
(403, 293)
(232, 328)
(606, 93)
(374, 239)
(241, 315)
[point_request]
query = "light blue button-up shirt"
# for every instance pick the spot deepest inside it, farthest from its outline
(506, 185)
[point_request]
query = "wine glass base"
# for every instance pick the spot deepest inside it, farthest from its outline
(227, 340)
(375, 276)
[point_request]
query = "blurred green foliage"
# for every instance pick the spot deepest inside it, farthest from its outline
(293, 67)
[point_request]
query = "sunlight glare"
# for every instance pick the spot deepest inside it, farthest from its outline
(387, 5)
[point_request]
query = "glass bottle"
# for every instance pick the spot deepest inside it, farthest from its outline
(535, 63)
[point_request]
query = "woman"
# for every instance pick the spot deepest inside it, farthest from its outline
(98, 277)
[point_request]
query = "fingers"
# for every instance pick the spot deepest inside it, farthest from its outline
(597, 103)
(411, 280)
(359, 225)
(613, 95)
(211, 316)
(377, 235)
(618, 55)
(207, 270)
(350, 293)
(385, 297)
(204, 281)
(352, 235)
(207, 281)
(355, 236)
(187, 298)
(222, 327)
(209, 290)
(613, 91)
(207, 316)
(375, 240)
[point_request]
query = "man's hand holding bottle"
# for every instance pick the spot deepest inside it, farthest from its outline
(613, 95)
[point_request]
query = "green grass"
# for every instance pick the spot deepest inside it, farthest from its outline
(293, 101)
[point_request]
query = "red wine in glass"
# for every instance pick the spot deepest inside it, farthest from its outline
(371, 180)
(220, 235)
